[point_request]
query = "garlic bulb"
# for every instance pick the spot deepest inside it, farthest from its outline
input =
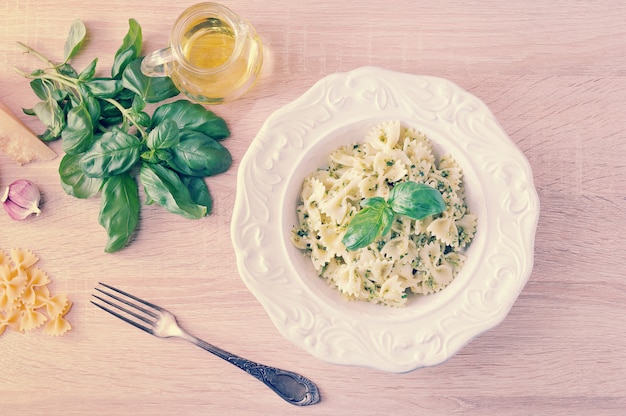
(21, 199)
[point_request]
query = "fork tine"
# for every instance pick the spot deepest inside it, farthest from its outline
(123, 309)
(123, 318)
(152, 305)
(126, 302)
(129, 313)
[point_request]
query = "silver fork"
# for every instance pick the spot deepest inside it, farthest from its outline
(157, 321)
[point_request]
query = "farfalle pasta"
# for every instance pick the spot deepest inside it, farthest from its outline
(25, 299)
(417, 256)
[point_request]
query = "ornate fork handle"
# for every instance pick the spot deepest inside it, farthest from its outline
(292, 387)
(157, 321)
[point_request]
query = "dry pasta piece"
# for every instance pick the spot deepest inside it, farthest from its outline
(10, 320)
(30, 318)
(59, 325)
(23, 259)
(25, 299)
(55, 305)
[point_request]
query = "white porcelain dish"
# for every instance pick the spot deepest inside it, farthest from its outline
(296, 139)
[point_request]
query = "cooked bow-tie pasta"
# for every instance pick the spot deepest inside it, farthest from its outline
(418, 256)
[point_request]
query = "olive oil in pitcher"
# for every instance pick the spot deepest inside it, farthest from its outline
(208, 44)
(214, 55)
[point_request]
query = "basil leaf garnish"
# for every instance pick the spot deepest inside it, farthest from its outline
(374, 219)
(416, 200)
(412, 199)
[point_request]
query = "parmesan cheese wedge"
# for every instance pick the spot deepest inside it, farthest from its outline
(18, 142)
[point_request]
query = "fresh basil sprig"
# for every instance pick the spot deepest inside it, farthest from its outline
(113, 145)
(412, 199)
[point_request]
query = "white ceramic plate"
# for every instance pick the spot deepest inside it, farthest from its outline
(296, 139)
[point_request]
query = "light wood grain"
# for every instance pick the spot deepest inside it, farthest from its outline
(553, 73)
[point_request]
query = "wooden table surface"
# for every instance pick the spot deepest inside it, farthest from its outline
(553, 73)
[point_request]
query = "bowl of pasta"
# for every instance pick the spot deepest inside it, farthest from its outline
(327, 235)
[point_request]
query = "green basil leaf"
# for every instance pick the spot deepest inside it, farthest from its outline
(122, 59)
(89, 71)
(40, 89)
(119, 210)
(373, 220)
(74, 181)
(104, 87)
(149, 156)
(138, 103)
(192, 116)
(166, 188)
(163, 155)
(140, 117)
(416, 200)
(75, 39)
(127, 97)
(45, 90)
(151, 89)
(93, 107)
(164, 136)
(67, 70)
(376, 202)
(109, 122)
(114, 153)
(107, 109)
(47, 136)
(129, 51)
(78, 132)
(197, 154)
(379, 204)
(199, 191)
(51, 115)
(156, 156)
(58, 95)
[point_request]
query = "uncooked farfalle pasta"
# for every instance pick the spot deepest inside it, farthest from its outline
(25, 299)
(417, 256)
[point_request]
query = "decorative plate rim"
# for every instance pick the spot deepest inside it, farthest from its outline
(297, 138)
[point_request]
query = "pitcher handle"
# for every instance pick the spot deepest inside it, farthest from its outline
(158, 63)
